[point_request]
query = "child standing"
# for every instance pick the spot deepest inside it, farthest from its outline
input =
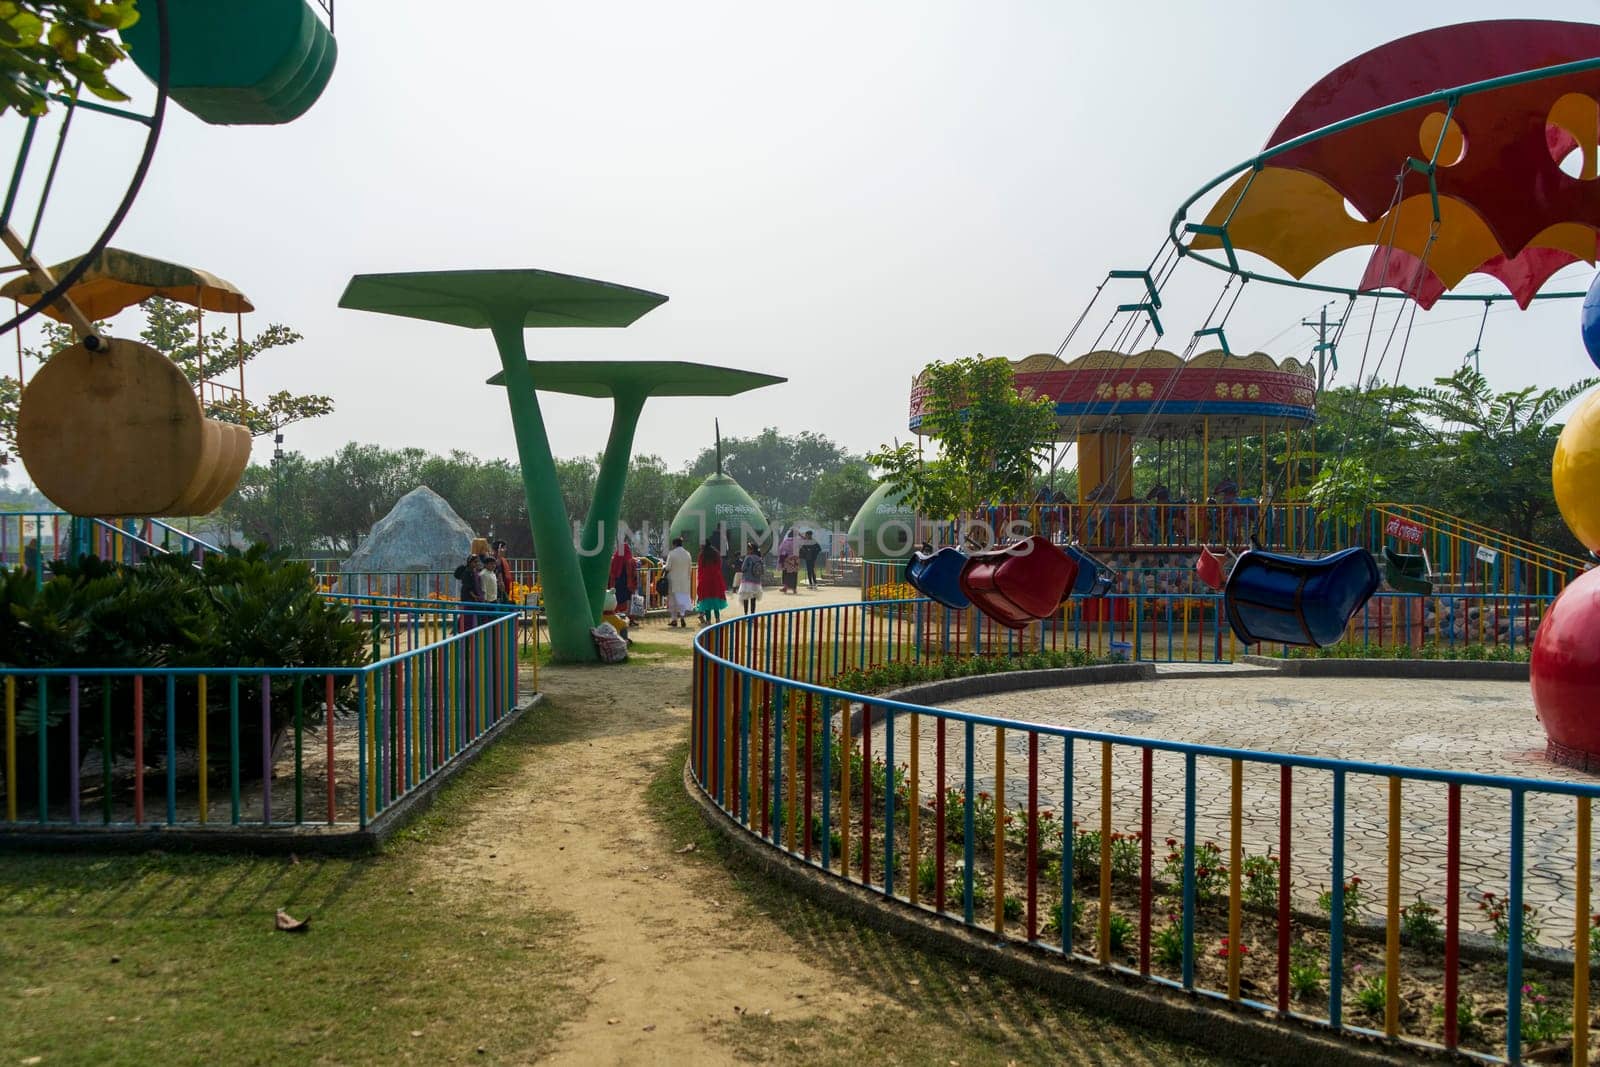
(750, 572)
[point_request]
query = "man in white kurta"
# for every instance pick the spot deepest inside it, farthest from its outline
(680, 591)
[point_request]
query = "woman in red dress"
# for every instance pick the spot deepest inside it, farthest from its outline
(710, 586)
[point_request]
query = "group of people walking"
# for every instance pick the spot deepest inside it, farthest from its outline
(705, 587)
(485, 577)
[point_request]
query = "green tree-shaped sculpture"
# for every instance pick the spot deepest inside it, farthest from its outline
(506, 302)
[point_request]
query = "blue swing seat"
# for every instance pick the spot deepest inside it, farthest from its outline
(1094, 578)
(1297, 601)
(937, 576)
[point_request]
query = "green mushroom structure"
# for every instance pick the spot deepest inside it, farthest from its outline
(572, 576)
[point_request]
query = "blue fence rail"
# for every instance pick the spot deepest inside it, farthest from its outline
(912, 802)
(290, 747)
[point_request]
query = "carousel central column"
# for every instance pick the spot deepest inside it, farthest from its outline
(1103, 457)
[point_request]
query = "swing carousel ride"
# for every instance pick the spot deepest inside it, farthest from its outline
(1460, 152)
(110, 427)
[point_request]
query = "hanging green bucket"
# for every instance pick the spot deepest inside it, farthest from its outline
(239, 62)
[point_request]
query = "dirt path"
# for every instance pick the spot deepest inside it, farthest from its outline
(663, 965)
(676, 962)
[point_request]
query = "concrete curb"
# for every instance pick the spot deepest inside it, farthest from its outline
(303, 840)
(1460, 670)
(1201, 1021)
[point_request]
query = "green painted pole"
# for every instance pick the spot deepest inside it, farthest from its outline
(566, 600)
(602, 526)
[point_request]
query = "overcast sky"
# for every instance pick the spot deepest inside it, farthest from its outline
(834, 192)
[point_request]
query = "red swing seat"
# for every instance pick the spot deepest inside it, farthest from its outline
(1020, 583)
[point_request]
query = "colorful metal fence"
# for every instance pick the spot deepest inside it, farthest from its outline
(437, 585)
(887, 794)
(1463, 555)
(348, 742)
(1193, 627)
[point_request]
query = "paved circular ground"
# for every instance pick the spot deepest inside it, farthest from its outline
(1487, 727)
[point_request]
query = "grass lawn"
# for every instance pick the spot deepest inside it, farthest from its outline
(173, 958)
(942, 1013)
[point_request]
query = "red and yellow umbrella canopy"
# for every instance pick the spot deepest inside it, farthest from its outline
(1507, 209)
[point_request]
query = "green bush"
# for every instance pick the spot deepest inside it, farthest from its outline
(1428, 650)
(937, 668)
(240, 609)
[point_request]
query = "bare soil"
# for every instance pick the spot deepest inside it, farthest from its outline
(663, 965)
(681, 958)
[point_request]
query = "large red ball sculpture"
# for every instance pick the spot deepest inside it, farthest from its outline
(1565, 672)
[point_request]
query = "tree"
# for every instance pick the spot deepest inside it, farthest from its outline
(774, 468)
(576, 478)
(839, 494)
(1491, 452)
(488, 494)
(989, 438)
(652, 495)
(169, 328)
(51, 45)
(10, 395)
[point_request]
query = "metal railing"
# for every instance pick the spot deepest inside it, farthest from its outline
(351, 741)
(1294, 526)
(1193, 627)
(850, 782)
(418, 584)
(1456, 550)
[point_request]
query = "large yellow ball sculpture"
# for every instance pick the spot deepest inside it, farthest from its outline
(1575, 472)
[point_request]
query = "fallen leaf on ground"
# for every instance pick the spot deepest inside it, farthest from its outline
(289, 924)
(690, 847)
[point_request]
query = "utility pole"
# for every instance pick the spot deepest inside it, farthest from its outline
(1324, 350)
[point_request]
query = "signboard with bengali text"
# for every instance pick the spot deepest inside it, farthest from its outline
(1404, 529)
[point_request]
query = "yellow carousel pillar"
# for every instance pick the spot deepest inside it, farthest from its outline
(1102, 456)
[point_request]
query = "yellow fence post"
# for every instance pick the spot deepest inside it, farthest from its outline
(1000, 829)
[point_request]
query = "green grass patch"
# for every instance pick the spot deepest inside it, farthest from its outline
(940, 1012)
(1429, 650)
(642, 651)
(173, 958)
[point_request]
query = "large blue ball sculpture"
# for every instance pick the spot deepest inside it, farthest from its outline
(1591, 321)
